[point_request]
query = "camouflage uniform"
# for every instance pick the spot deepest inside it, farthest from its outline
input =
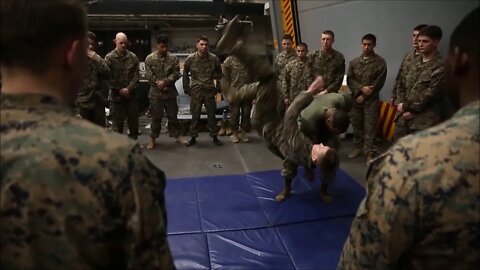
(362, 72)
(90, 99)
(280, 130)
(423, 93)
(159, 67)
(235, 75)
(297, 77)
(125, 73)
(201, 88)
(74, 195)
(422, 206)
(312, 120)
(398, 93)
(281, 62)
(331, 66)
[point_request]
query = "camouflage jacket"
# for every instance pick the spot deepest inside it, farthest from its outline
(293, 144)
(407, 62)
(125, 72)
(159, 68)
(203, 71)
(331, 66)
(363, 72)
(90, 93)
(423, 202)
(297, 77)
(281, 62)
(423, 94)
(235, 73)
(74, 195)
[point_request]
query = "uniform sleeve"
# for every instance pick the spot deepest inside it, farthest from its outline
(430, 91)
(286, 82)
(103, 70)
(337, 76)
(396, 87)
(132, 85)
(175, 75)
(152, 79)
(380, 78)
(293, 112)
(186, 75)
(142, 203)
(227, 71)
(383, 228)
(109, 62)
(217, 69)
(352, 81)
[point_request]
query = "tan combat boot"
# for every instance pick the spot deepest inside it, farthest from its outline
(243, 136)
(228, 131)
(355, 153)
(222, 130)
(235, 138)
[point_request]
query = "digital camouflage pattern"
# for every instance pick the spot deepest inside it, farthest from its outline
(281, 62)
(297, 77)
(280, 130)
(331, 66)
(74, 195)
(199, 74)
(407, 62)
(163, 68)
(89, 94)
(125, 74)
(398, 92)
(159, 68)
(124, 70)
(423, 92)
(422, 209)
(235, 75)
(363, 117)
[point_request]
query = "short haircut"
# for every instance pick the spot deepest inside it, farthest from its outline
(432, 31)
(91, 35)
(329, 32)
(31, 30)
(202, 38)
(287, 36)
(419, 27)
(303, 44)
(466, 35)
(340, 120)
(329, 164)
(370, 37)
(161, 38)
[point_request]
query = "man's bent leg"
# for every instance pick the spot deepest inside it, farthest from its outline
(288, 172)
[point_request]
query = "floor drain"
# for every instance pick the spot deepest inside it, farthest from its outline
(217, 166)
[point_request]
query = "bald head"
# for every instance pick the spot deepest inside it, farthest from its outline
(121, 42)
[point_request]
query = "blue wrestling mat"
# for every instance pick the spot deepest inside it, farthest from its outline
(234, 222)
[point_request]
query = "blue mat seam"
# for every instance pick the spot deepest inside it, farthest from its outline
(285, 248)
(258, 201)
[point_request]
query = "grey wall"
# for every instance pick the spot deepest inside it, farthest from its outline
(390, 21)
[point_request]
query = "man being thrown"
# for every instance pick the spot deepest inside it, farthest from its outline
(278, 127)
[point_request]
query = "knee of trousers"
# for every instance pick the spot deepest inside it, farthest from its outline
(289, 173)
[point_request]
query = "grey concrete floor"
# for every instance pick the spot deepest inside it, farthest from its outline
(207, 159)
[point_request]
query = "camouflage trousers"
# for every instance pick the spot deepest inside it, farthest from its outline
(122, 109)
(240, 115)
(364, 122)
(157, 107)
(95, 115)
(197, 99)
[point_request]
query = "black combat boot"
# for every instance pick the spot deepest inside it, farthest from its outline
(216, 141)
(191, 142)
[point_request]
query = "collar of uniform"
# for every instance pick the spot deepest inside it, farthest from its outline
(207, 55)
(33, 102)
(119, 55)
(159, 56)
